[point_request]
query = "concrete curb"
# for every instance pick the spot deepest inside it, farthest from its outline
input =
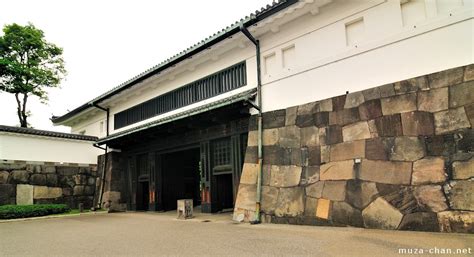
(53, 216)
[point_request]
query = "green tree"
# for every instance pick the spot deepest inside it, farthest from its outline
(28, 65)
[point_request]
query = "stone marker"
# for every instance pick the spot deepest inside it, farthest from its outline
(24, 194)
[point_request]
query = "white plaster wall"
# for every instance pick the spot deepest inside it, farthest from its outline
(46, 149)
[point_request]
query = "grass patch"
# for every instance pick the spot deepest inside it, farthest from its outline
(36, 210)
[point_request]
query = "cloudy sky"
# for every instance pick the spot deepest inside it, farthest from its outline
(108, 42)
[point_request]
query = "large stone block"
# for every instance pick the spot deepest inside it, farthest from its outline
(309, 136)
(356, 131)
(325, 105)
(341, 170)
(305, 120)
(440, 145)
(333, 135)
(407, 149)
(310, 175)
(24, 194)
(251, 154)
(360, 193)
(411, 85)
(456, 221)
(378, 148)
(78, 190)
(469, 109)
(389, 126)
(52, 180)
(314, 155)
(20, 176)
(308, 108)
(370, 110)
(429, 170)
(49, 169)
(371, 93)
(67, 170)
(461, 94)
(343, 213)
(274, 119)
(344, 117)
(380, 214)
(321, 119)
(417, 123)
(7, 194)
(38, 179)
(401, 197)
(289, 136)
(348, 150)
(291, 114)
(252, 139)
(285, 176)
(433, 100)
(338, 102)
(420, 221)
(334, 190)
(290, 202)
(315, 190)
(249, 174)
(399, 104)
(246, 197)
(463, 170)
(461, 195)
(269, 199)
(469, 72)
(431, 197)
(4, 176)
(44, 192)
(311, 205)
(386, 172)
(266, 174)
(354, 100)
(270, 136)
(325, 153)
(450, 120)
(446, 78)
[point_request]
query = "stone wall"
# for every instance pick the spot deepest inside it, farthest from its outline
(115, 189)
(398, 156)
(43, 182)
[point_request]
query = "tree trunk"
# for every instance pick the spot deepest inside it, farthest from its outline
(21, 109)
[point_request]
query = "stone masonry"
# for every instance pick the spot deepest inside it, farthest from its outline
(42, 182)
(398, 156)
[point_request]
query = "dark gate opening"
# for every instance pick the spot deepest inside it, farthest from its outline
(143, 196)
(224, 190)
(181, 178)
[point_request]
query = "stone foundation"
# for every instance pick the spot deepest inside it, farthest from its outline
(114, 196)
(24, 182)
(398, 156)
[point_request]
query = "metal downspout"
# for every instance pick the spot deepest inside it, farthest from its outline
(102, 180)
(259, 124)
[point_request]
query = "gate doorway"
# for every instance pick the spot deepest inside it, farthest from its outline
(143, 196)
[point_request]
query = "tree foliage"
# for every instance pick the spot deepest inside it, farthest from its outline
(28, 65)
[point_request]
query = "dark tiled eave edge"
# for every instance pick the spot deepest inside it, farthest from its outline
(207, 107)
(196, 48)
(45, 133)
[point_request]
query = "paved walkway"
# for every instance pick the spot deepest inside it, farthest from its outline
(155, 234)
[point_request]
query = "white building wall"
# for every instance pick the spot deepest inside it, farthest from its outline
(46, 149)
(342, 46)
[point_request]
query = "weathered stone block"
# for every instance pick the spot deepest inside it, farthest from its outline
(305, 120)
(411, 85)
(420, 221)
(246, 197)
(315, 190)
(348, 150)
(321, 119)
(370, 110)
(67, 191)
(400, 197)
(249, 174)
(44, 192)
(314, 155)
(461, 94)
(360, 193)
(20, 176)
(386, 172)
(371, 93)
(380, 214)
(469, 72)
(90, 181)
(310, 136)
(38, 179)
(291, 114)
(334, 190)
(49, 169)
(461, 195)
(469, 109)
(440, 145)
(325, 105)
(270, 136)
(309, 175)
(354, 100)
(338, 102)
(333, 135)
(389, 126)
(78, 190)
(308, 108)
(311, 205)
(269, 199)
(67, 170)
(356, 131)
(285, 176)
(341, 170)
(89, 190)
(325, 153)
(7, 194)
(289, 136)
(343, 213)
(4, 176)
(253, 123)
(407, 149)
(252, 139)
(417, 123)
(290, 202)
(450, 120)
(344, 117)
(433, 100)
(251, 154)
(274, 155)
(378, 148)
(446, 78)
(274, 119)
(429, 170)
(399, 104)
(323, 208)
(463, 170)
(431, 197)
(456, 221)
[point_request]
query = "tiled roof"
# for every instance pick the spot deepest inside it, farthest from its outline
(45, 133)
(226, 32)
